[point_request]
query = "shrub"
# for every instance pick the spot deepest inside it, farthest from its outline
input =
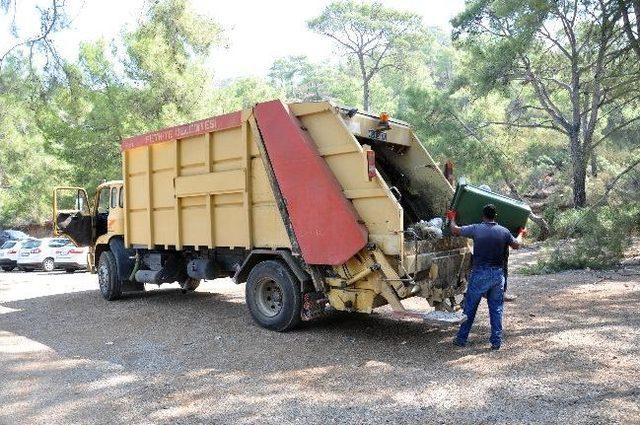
(591, 238)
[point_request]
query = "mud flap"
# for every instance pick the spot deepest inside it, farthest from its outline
(123, 257)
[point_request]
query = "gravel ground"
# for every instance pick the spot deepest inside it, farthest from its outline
(571, 354)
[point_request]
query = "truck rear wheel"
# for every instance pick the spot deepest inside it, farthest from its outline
(110, 283)
(273, 296)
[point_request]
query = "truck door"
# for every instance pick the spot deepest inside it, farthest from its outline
(72, 215)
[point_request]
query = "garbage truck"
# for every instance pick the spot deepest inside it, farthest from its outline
(313, 205)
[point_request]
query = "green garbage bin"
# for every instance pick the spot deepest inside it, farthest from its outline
(469, 200)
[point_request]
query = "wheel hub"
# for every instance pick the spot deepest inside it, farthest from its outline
(269, 297)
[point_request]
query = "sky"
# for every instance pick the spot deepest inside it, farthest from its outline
(258, 31)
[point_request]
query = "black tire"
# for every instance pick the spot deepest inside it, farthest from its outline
(110, 283)
(273, 296)
(8, 268)
(48, 265)
(70, 270)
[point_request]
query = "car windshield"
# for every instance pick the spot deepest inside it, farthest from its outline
(8, 244)
(31, 244)
(57, 243)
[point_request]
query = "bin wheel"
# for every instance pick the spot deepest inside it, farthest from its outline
(273, 296)
(190, 284)
(110, 283)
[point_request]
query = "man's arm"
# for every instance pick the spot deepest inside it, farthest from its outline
(517, 242)
(466, 231)
(455, 229)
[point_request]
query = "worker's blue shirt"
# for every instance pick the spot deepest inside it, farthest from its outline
(490, 240)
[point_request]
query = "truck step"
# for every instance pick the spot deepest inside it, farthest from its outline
(438, 318)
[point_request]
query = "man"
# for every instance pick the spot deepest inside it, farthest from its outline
(487, 275)
(508, 296)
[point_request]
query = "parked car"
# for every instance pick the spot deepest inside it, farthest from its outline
(12, 235)
(9, 254)
(49, 254)
(71, 257)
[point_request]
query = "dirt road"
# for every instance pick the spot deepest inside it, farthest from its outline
(571, 354)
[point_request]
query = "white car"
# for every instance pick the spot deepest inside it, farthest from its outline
(9, 254)
(71, 257)
(49, 254)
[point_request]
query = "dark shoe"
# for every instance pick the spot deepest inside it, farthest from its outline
(495, 347)
(459, 343)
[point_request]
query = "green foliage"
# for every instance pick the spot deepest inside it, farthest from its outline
(158, 79)
(560, 63)
(165, 56)
(301, 80)
(374, 38)
(496, 34)
(242, 93)
(155, 79)
(27, 172)
(593, 238)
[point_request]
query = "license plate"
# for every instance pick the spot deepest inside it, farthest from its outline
(24, 254)
(378, 135)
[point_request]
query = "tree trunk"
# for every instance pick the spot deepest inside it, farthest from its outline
(579, 184)
(579, 169)
(365, 82)
(365, 96)
(579, 181)
(594, 164)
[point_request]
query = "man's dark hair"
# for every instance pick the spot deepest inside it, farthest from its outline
(489, 211)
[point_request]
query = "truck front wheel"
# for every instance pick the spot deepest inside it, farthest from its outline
(110, 283)
(273, 296)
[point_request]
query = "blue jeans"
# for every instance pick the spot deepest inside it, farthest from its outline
(489, 282)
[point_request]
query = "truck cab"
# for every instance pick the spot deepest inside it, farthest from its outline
(92, 224)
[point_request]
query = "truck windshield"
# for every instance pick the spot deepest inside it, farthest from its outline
(103, 201)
